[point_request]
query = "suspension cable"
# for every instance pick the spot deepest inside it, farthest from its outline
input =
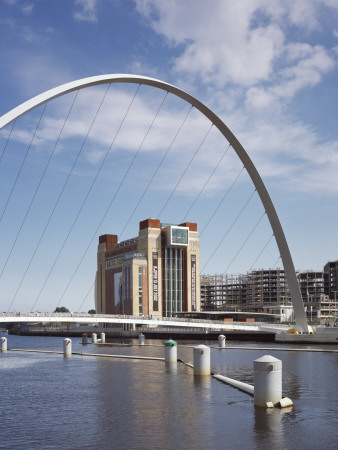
(86, 296)
(228, 230)
(246, 240)
(95, 234)
(38, 187)
(64, 187)
(222, 200)
(261, 252)
(276, 262)
(207, 181)
(157, 169)
(185, 170)
(23, 162)
(8, 138)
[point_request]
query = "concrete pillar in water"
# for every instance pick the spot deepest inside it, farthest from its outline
(201, 360)
(170, 351)
(67, 347)
(141, 339)
(267, 381)
(221, 341)
(103, 338)
(4, 344)
(84, 339)
(94, 338)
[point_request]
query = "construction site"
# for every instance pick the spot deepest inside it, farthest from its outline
(266, 291)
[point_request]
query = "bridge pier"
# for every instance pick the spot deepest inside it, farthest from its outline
(268, 382)
(141, 339)
(67, 347)
(221, 341)
(170, 351)
(4, 344)
(201, 360)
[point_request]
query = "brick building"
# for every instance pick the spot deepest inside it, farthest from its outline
(155, 273)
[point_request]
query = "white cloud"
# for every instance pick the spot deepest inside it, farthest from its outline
(292, 156)
(27, 8)
(29, 35)
(307, 65)
(287, 153)
(87, 10)
(303, 13)
(241, 43)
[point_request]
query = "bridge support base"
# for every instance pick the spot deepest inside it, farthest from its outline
(170, 351)
(67, 347)
(221, 341)
(201, 360)
(267, 381)
(4, 344)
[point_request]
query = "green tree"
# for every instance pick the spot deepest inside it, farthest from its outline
(61, 309)
(92, 311)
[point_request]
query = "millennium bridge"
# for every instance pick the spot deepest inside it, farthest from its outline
(151, 322)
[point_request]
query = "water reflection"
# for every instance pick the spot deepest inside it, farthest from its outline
(171, 368)
(149, 401)
(268, 427)
(203, 387)
(114, 403)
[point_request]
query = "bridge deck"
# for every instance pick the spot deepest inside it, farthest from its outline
(150, 321)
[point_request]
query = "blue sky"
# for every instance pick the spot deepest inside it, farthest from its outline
(267, 68)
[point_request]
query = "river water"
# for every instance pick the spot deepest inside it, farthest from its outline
(52, 402)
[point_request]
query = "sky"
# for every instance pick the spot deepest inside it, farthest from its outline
(267, 68)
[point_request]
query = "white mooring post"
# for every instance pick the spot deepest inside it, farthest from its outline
(67, 347)
(94, 338)
(221, 341)
(170, 351)
(201, 360)
(141, 339)
(103, 338)
(267, 381)
(4, 344)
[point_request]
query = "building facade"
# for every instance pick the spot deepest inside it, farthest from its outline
(258, 291)
(331, 280)
(155, 273)
(267, 291)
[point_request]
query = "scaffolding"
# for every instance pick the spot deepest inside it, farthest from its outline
(254, 291)
(267, 291)
(221, 291)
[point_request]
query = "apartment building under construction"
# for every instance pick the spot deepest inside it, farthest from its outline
(257, 291)
(267, 291)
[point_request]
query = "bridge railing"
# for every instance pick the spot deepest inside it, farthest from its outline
(141, 319)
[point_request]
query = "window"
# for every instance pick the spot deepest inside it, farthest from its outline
(140, 290)
(179, 236)
(173, 280)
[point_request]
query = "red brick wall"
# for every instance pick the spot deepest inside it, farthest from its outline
(150, 223)
(122, 250)
(109, 239)
(190, 225)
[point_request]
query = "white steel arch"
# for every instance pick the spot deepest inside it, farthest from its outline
(290, 273)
